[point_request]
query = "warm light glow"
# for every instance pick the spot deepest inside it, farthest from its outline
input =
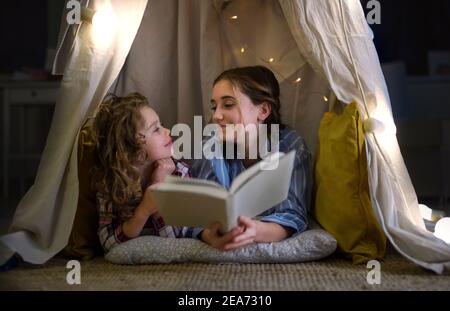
(271, 60)
(104, 19)
(242, 49)
(298, 80)
(87, 14)
(442, 229)
(104, 25)
(325, 98)
(234, 17)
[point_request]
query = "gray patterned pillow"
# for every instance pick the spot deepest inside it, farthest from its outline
(309, 245)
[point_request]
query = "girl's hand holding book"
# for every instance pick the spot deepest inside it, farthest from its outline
(212, 236)
(247, 231)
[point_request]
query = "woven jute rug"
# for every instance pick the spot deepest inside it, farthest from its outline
(333, 273)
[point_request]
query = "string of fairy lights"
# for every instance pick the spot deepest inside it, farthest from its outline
(244, 48)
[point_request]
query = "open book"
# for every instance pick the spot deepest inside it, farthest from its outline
(199, 203)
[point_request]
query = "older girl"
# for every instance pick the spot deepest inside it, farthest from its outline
(243, 96)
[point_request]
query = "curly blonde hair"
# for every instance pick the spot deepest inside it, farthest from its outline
(119, 149)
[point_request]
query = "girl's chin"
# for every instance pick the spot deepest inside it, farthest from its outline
(165, 153)
(169, 150)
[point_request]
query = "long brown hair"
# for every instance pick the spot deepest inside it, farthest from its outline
(260, 85)
(119, 149)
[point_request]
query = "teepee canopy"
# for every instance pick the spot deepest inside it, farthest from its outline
(43, 220)
(171, 51)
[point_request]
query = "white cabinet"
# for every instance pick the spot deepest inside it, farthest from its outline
(27, 109)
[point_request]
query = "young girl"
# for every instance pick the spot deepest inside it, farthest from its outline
(250, 95)
(135, 151)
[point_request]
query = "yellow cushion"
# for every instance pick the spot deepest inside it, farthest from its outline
(83, 241)
(342, 203)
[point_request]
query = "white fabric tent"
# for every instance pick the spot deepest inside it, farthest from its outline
(172, 50)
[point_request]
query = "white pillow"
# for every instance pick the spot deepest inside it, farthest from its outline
(309, 245)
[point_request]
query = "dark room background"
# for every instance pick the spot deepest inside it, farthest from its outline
(28, 28)
(408, 30)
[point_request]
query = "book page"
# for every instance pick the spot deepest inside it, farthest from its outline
(206, 190)
(192, 181)
(253, 170)
(266, 189)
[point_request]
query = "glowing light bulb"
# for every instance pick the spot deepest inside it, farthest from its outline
(104, 20)
(104, 26)
(372, 125)
(234, 17)
(325, 98)
(298, 80)
(271, 60)
(242, 49)
(442, 229)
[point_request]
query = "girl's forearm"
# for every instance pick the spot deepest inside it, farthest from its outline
(270, 232)
(133, 226)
